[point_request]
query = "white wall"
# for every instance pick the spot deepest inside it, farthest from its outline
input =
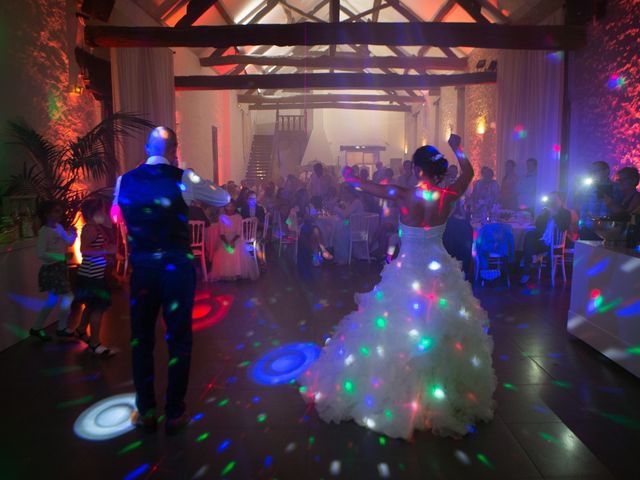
(197, 112)
(359, 127)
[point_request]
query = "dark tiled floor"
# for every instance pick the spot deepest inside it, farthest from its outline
(563, 410)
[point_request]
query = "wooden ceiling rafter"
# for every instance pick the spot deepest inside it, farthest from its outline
(474, 9)
(195, 9)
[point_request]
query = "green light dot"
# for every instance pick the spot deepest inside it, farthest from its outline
(382, 441)
(443, 302)
(509, 386)
(425, 343)
(634, 350)
(246, 363)
(379, 295)
(381, 323)
(348, 386)
(135, 342)
(438, 392)
(227, 469)
(365, 351)
(224, 402)
(262, 417)
(173, 361)
(312, 440)
(388, 414)
(203, 437)
(303, 389)
(173, 306)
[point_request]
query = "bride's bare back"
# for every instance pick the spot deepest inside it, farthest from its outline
(425, 205)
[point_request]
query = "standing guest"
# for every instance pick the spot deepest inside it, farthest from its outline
(349, 205)
(319, 181)
(233, 189)
(379, 174)
(53, 276)
(252, 209)
(231, 260)
(268, 198)
(408, 178)
(197, 213)
(553, 218)
(450, 176)
(527, 187)
(364, 174)
(509, 187)
(154, 199)
(590, 201)
(485, 193)
(387, 178)
(92, 290)
(628, 200)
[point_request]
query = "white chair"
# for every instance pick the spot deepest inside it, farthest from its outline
(197, 245)
(496, 263)
(555, 257)
(287, 236)
(359, 232)
(250, 237)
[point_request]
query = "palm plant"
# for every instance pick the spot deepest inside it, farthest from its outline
(56, 171)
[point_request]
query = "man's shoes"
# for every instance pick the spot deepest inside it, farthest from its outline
(147, 423)
(64, 333)
(524, 279)
(40, 333)
(176, 425)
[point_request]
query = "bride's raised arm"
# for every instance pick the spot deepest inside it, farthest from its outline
(461, 184)
(390, 192)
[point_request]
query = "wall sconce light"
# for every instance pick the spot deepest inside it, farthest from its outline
(76, 89)
(482, 126)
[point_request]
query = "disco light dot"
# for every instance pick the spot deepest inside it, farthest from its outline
(475, 361)
(383, 470)
(106, 419)
(227, 469)
(380, 323)
(284, 363)
(382, 441)
(616, 82)
(415, 286)
(380, 350)
(433, 266)
(349, 360)
(379, 295)
(438, 392)
(388, 414)
(443, 302)
(462, 457)
(413, 333)
(334, 468)
(261, 418)
(365, 351)
(348, 386)
(369, 422)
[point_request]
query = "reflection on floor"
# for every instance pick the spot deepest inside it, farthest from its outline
(563, 410)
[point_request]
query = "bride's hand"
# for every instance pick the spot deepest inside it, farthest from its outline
(454, 142)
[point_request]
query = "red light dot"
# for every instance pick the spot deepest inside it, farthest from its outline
(556, 148)
(458, 346)
(595, 293)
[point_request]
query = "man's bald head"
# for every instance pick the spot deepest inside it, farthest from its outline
(163, 141)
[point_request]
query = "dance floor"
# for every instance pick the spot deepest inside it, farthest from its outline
(563, 410)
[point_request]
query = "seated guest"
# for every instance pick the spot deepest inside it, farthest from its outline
(509, 187)
(527, 186)
(379, 174)
(590, 199)
(319, 181)
(364, 173)
(330, 201)
(387, 178)
(197, 213)
(349, 205)
(485, 193)
(554, 217)
(628, 197)
(458, 236)
(231, 260)
(252, 209)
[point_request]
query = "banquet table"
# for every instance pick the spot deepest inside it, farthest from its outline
(335, 233)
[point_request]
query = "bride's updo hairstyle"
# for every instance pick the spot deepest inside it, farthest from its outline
(431, 162)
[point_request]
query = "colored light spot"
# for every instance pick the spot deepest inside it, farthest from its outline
(227, 469)
(348, 386)
(229, 248)
(382, 441)
(595, 293)
(379, 295)
(77, 401)
(634, 350)
(173, 306)
(415, 286)
(383, 470)
(303, 389)
(561, 384)
(365, 351)
(312, 440)
(173, 361)
(424, 344)
(484, 460)
(224, 402)
(334, 468)
(131, 446)
(443, 302)
(414, 333)
(556, 148)
(438, 392)
(262, 417)
(548, 438)
(137, 472)
(519, 132)
(349, 360)
(458, 346)
(381, 323)
(203, 437)
(388, 413)
(222, 447)
(475, 361)
(433, 266)
(616, 82)
(380, 350)
(268, 460)
(509, 386)
(369, 422)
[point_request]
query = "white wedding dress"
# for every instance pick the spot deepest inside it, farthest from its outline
(415, 355)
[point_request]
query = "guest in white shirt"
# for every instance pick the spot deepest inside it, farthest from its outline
(349, 205)
(319, 182)
(527, 186)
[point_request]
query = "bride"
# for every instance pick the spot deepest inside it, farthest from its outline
(415, 355)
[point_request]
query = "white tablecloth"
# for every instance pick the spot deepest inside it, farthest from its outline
(335, 233)
(519, 231)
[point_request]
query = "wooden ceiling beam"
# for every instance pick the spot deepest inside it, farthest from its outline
(341, 61)
(348, 81)
(195, 9)
(302, 13)
(474, 9)
(513, 37)
(329, 97)
(312, 106)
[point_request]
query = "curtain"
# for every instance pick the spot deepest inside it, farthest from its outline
(143, 83)
(529, 118)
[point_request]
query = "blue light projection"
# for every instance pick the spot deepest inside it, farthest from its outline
(284, 364)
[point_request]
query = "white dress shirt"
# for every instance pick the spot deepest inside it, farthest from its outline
(193, 187)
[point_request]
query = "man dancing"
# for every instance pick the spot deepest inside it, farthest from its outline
(154, 199)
